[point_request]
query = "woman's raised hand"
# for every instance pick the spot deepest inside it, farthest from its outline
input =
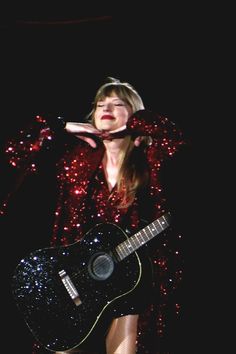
(82, 131)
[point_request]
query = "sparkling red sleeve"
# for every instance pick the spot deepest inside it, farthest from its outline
(21, 156)
(166, 136)
(21, 151)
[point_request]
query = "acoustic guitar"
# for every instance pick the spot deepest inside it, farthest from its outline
(63, 291)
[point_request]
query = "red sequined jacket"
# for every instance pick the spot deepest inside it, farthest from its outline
(81, 164)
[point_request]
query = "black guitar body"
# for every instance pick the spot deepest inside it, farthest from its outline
(63, 292)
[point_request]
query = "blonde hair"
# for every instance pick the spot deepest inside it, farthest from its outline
(133, 172)
(123, 90)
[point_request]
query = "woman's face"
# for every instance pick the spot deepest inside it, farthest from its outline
(111, 113)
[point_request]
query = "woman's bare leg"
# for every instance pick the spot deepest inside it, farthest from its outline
(122, 335)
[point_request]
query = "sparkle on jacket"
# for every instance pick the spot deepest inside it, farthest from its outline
(75, 215)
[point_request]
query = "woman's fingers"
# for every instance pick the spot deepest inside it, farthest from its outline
(138, 140)
(118, 130)
(75, 128)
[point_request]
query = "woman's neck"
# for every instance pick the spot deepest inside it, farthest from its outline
(113, 150)
(112, 161)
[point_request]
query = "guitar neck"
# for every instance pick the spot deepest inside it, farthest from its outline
(143, 236)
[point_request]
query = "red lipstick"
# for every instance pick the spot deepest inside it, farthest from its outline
(107, 116)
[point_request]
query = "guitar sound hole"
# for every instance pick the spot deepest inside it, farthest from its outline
(101, 266)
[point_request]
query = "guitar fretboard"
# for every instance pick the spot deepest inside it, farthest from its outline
(140, 238)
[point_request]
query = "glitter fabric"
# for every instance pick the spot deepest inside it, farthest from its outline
(85, 200)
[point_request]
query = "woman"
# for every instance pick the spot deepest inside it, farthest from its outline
(112, 175)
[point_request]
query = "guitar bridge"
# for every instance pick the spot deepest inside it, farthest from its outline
(71, 289)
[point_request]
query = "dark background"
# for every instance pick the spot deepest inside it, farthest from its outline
(55, 62)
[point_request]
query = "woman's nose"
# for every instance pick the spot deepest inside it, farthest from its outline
(107, 107)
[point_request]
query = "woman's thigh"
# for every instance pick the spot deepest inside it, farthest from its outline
(122, 335)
